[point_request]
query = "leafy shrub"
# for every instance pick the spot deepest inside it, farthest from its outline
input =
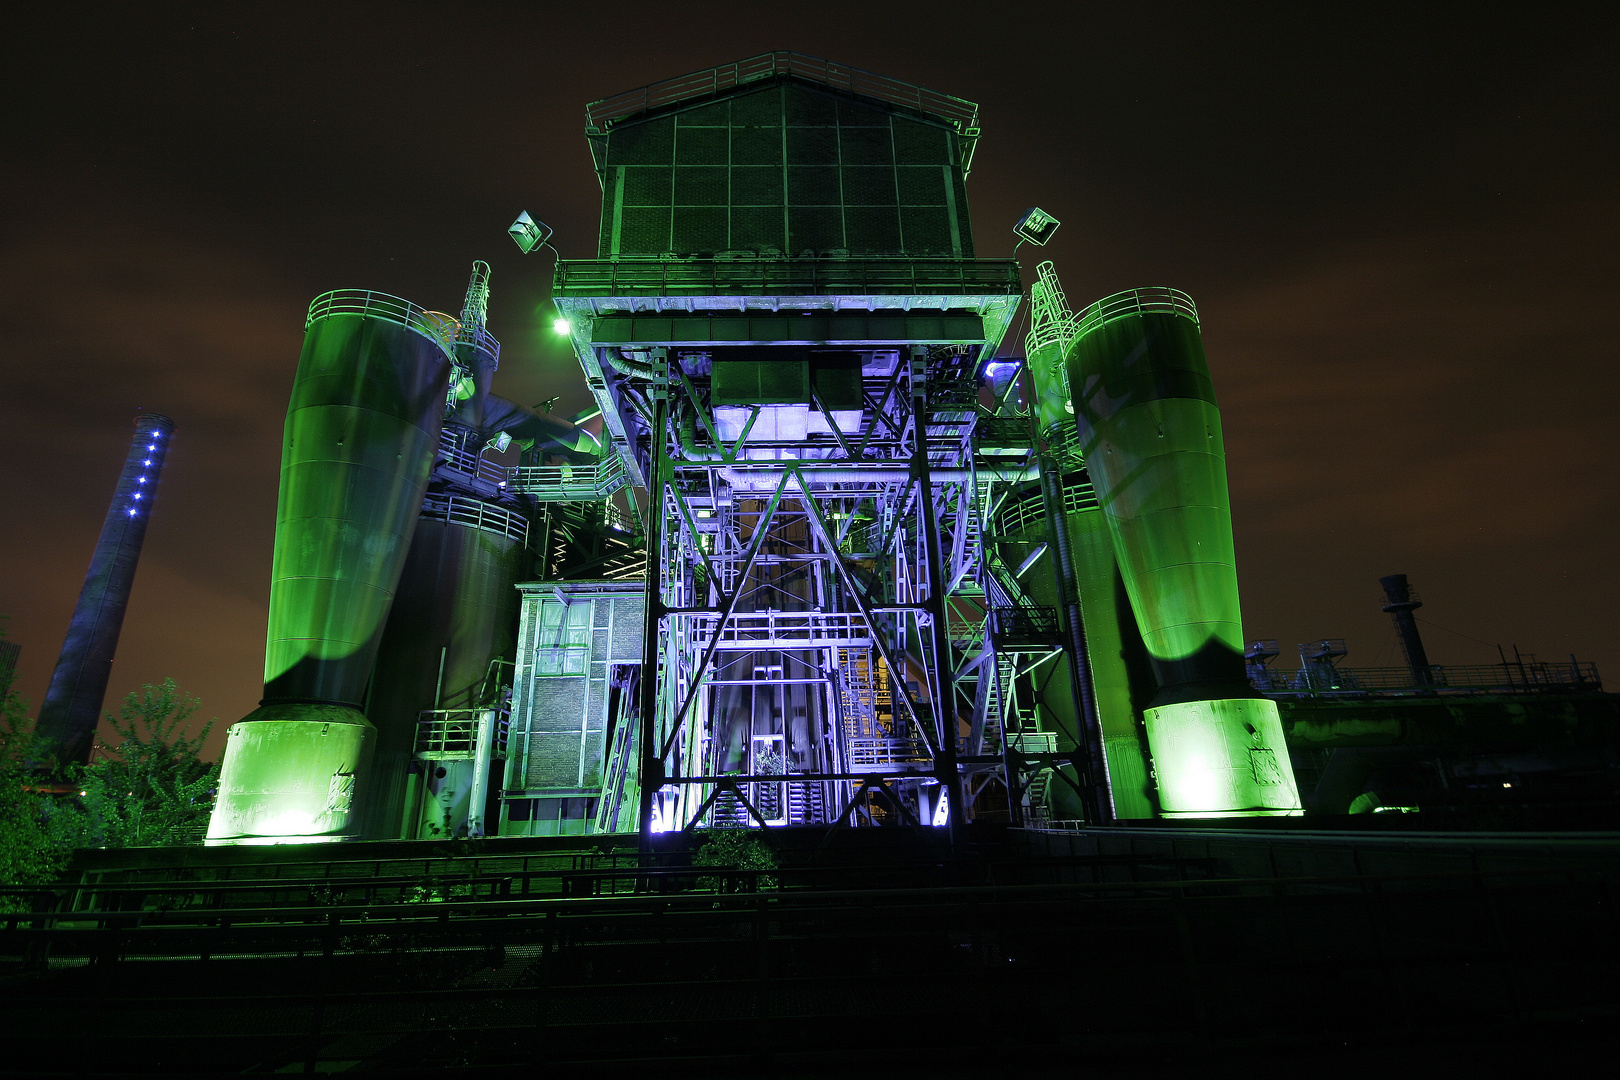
(734, 849)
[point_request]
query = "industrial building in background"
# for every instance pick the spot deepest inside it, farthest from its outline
(839, 557)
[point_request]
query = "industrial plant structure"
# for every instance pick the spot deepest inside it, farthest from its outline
(859, 580)
(839, 556)
(845, 567)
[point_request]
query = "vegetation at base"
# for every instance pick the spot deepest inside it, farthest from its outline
(150, 788)
(735, 849)
(30, 850)
(153, 790)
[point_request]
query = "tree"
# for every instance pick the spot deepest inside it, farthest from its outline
(154, 789)
(32, 850)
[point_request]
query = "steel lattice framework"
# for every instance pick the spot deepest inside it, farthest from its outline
(829, 639)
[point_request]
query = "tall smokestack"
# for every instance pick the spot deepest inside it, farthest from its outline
(1401, 602)
(72, 705)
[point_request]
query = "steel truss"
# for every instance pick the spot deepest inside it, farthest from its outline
(826, 624)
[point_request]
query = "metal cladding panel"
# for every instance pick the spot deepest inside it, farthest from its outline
(1222, 759)
(784, 166)
(290, 771)
(572, 634)
(761, 382)
(361, 433)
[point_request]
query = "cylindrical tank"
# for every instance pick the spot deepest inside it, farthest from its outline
(1112, 641)
(362, 427)
(72, 706)
(455, 613)
(1150, 433)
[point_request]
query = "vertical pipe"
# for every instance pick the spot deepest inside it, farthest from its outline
(652, 763)
(1098, 804)
(946, 769)
(483, 753)
(72, 707)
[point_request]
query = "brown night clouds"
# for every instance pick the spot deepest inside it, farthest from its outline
(1400, 233)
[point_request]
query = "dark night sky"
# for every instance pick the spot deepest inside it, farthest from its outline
(1400, 229)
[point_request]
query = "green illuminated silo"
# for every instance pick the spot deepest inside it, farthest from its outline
(455, 612)
(1150, 432)
(362, 426)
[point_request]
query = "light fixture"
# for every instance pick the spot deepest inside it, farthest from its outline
(1036, 226)
(528, 233)
(561, 326)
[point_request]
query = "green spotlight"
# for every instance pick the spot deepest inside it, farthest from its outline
(561, 326)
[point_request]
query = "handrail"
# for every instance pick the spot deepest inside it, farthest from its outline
(468, 463)
(782, 276)
(1510, 678)
(601, 115)
(568, 483)
(444, 329)
(477, 514)
(1155, 299)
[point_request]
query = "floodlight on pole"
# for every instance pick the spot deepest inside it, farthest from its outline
(1036, 226)
(528, 233)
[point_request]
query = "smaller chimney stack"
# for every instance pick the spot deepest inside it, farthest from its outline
(1401, 602)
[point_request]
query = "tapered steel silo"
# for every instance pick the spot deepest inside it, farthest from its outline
(1150, 432)
(362, 427)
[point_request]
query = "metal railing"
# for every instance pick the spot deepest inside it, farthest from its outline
(1032, 742)
(787, 277)
(600, 115)
(1020, 625)
(1152, 300)
(1003, 432)
(867, 752)
(753, 630)
(568, 483)
(444, 329)
(1027, 512)
(468, 463)
(476, 514)
(1511, 678)
(452, 734)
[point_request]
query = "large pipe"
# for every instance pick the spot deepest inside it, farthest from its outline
(538, 431)
(1150, 432)
(1098, 804)
(72, 707)
(362, 429)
